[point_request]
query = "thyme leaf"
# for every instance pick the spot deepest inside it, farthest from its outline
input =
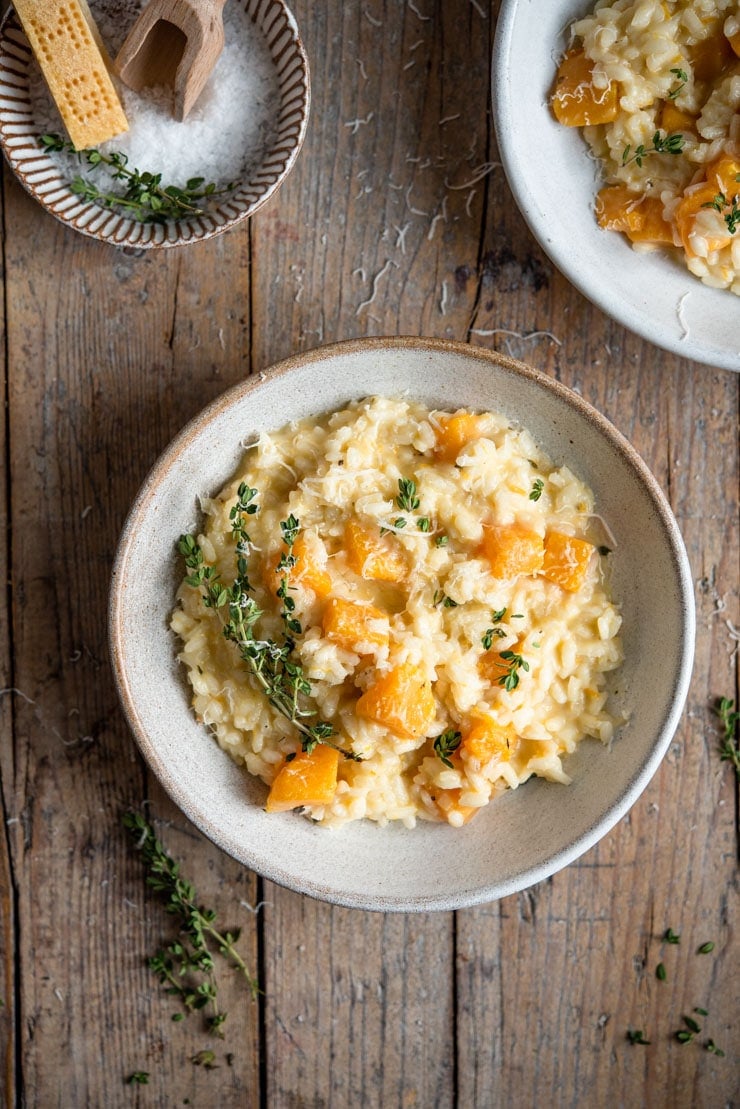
(682, 76)
(145, 197)
(446, 744)
(662, 144)
(729, 717)
(407, 499)
(536, 491)
(515, 663)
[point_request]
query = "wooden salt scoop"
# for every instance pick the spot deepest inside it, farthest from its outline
(173, 42)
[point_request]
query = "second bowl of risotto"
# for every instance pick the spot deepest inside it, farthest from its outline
(412, 645)
(619, 131)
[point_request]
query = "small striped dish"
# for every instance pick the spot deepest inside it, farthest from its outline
(19, 138)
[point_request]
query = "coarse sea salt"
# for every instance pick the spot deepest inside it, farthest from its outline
(225, 135)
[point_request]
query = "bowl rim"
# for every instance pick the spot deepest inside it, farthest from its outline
(470, 897)
(11, 21)
(568, 260)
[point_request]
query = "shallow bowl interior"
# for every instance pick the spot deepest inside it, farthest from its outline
(554, 182)
(40, 175)
(525, 835)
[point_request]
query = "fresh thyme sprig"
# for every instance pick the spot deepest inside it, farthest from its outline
(731, 217)
(407, 499)
(536, 491)
(682, 76)
(510, 680)
(145, 198)
(446, 744)
(662, 144)
(729, 716)
(272, 663)
(637, 1036)
(182, 963)
(494, 633)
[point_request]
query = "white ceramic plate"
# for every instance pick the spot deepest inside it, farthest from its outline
(554, 182)
(525, 835)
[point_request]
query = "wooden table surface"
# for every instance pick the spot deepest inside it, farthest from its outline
(396, 220)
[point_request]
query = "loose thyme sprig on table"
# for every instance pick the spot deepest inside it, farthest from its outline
(729, 716)
(145, 198)
(186, 967)
(662, 144)
(272, 663)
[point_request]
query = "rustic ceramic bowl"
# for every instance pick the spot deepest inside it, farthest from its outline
(525, 835)
(40, 175)
(554, 182)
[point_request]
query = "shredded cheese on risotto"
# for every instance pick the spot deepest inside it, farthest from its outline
(448, 614)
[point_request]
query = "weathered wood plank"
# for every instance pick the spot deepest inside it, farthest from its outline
(105, 366)
(7, 706)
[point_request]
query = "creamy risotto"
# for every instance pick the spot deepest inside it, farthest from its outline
(655, 85)
(425, 588)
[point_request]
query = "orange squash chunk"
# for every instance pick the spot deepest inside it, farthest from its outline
(722, 176)
(305, 780)
(487, 739)
(401, 700)
(734, 41)
(511, 550)
(454, 434)
(566, 560)
(653, 228)
(355, 626)
(639, 217)
(491, 666)
(618, 208)
(371, 555)
(575, 100)
(672, 119)
(309, 570)
(711, 57)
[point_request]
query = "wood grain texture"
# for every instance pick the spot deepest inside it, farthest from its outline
(396, 220)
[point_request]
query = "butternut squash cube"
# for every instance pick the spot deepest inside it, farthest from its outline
(487, 739)
(309, 570)
(639, 217)
(673, 119)
(355, 627)
(511, 550)
(575, 100)
(722, 176)
(566, 560)
(373, 556)
(454, 434)
(305, 780)
(401, 700)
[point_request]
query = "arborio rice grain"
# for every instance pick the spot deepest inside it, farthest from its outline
(665, 70)
(444, 618)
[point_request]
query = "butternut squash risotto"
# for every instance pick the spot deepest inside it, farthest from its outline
(394, 613)
(655, 85)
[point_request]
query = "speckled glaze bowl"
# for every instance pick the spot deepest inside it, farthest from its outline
(523, 836)
(39, 174)
(555, 181)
